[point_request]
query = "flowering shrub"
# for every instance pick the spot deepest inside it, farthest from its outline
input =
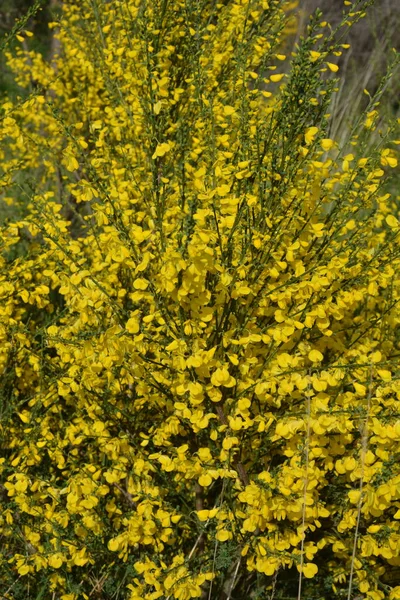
(199, 313)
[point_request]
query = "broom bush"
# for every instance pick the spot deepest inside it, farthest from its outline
(199, 317)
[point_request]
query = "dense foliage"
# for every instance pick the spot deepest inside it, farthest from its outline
(199, 317)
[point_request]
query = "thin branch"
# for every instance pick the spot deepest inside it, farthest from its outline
(234, 578)
(307, 456)
(364, 449)
(10, 588)
(241, 471)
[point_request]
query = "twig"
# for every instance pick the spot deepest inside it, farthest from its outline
(238, 466)
(127, 495)
(213, 567)
(307, 453)
(216, 541)
(274, 582)
(234, 578)
(98, 584)
(198, 490)
(10, 588)
(360, 489)
(197, 542)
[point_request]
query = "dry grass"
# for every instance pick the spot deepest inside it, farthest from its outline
(364, 64)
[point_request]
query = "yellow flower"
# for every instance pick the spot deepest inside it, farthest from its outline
(223, 535)
(309, 570)
(277, 77)
(205, 480)
(310, 134)
(221, 377)
(327, 144)
(314, 55)
(133, 325)
(333, 67)
(315, 356)
(24, 570)
(388, 159)
(229, 110)
(161, 150)
(70, 162)
(113, 545)
(55, 560)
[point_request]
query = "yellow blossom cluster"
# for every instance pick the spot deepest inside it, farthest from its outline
(199, 316)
